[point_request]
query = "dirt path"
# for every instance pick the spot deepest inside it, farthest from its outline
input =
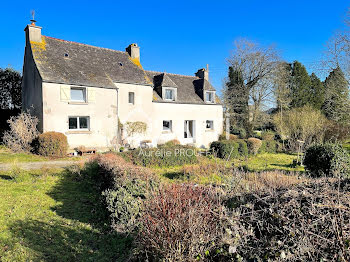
(36, 165)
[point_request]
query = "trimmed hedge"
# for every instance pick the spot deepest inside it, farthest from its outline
(222, 137)
(163, 156)
(269, 146)
(53, 144)
(327, 160)
(254, 145)
(229, 149)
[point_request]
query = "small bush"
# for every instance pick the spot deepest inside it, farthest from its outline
(242, 147)
(225, 149)
(222, 137)
(327, 160)
(163, 156)
(181, 223)
(22, 132)
(53, 144)
(240, 132)
(268, 135)
(268, 146)
(124, 187)
(254, 145)
(173, 142)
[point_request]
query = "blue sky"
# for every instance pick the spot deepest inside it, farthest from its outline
(178, 36)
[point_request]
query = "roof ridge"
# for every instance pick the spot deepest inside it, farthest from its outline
(151, 71)
(54, 38)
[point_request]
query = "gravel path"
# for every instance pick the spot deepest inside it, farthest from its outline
(36, 165)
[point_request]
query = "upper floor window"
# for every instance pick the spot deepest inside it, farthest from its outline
(209, 97)
(131, 98)
(78, 94)
(169, 94)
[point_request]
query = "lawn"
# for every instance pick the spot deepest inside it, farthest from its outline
(6, 156)
(269, 161)
(49, 215)
(260, 162)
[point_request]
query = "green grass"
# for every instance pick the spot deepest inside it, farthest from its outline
(269, 161)
(50, 215)
(6, 156)
(346, 145)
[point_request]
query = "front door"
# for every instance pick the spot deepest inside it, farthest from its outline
(189, 131)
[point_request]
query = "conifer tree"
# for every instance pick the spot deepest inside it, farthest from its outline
(300, 85)
(336, 106)
(236, 96)
(317, 92)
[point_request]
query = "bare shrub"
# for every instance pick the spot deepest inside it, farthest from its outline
(22, 132)
(306, 222)
(124, 187)
(181, 223)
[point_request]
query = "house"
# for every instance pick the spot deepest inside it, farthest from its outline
(88, 93)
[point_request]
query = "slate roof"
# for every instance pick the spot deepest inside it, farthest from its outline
(188, 87)
(61, 61)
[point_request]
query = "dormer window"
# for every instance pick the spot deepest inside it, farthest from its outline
(169, 94)
(209, 97)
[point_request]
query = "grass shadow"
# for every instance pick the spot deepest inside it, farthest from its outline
(57, 241)
(6, 177)
(79, 199)
(80, 230)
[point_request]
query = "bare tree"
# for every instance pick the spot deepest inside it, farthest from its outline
(282, 91)
(338, 50)
(257, 65)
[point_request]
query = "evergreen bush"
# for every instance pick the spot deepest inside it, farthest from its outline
(327, 160)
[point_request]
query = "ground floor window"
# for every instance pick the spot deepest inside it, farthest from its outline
(167, 125)
(79, 123)
(209, 125)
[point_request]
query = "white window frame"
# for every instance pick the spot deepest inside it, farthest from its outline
(211, 125)
(170, 129)
(212, 101)
(133, 98)
(84, 94)
(174, 93)
(78, 123)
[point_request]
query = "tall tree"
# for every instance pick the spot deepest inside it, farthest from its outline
(317, 92)
(300, 85)
(10, 89)
(254, 64)
(236, 97)
(282, 92)
(337, 102)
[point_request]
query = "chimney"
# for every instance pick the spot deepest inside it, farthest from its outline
(33, 33)
(133, 51)
(203, 73)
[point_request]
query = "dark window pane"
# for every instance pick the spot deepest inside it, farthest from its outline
(83, 123)
(166, 125)
(73, 123)
(131, 97)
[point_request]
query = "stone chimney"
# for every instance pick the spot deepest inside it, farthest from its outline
(33, 33)
(133, 51)
(203, 73)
